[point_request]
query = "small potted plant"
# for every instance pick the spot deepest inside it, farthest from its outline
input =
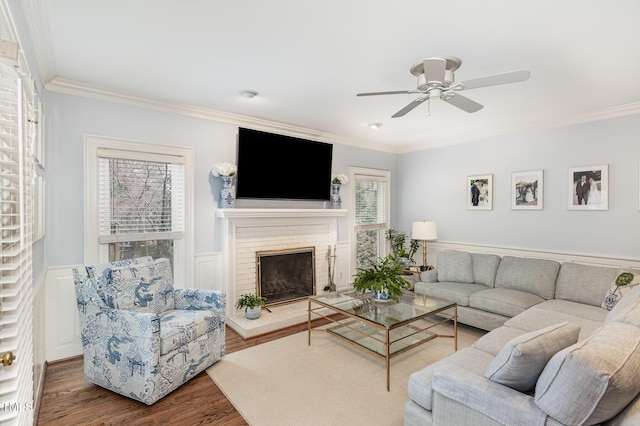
(252, 305)
(397, 240)
(384, 278)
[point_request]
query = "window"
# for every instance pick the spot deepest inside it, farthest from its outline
(370, 215)
(140, 202)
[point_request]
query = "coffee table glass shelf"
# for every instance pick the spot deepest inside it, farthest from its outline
(385, 329)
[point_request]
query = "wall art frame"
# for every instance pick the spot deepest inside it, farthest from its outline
(479, 190)
(527, 190)
(588, 187)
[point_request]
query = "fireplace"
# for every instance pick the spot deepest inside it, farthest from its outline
(286, 275)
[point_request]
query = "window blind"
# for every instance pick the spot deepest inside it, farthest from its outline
(16, 219)
(371, 208)
(140, 196)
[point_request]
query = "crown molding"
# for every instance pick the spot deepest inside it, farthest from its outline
(78, 89)
(603, 114)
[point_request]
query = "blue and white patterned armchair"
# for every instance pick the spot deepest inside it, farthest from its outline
(140, 337)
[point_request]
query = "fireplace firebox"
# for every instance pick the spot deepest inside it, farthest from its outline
(286, 275)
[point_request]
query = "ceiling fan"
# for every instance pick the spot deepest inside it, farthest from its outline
(436, 80)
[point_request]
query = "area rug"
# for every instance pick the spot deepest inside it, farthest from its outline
(331, 382)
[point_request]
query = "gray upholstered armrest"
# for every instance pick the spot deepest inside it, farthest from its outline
(500, 403)
(430, 276)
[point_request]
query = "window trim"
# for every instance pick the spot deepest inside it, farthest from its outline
(94, 252)
(378, 173)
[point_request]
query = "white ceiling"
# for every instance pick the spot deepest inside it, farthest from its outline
(308, 59)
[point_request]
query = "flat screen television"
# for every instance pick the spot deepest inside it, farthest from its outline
(272, 166)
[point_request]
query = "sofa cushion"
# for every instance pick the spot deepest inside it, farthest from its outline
(627, 310)
(623, 283)
(455, 266)
(144, 287)
(522, 359)
(583, 283)
(549, 312)
(452, 291)
(471, 359)
(493, 342)
(503, 301)
(593, 380)
(537, 276)
(485, 267)
(178, 327)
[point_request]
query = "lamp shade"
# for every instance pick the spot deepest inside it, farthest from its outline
(424, 230)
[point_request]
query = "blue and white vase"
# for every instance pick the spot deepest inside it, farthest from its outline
(335, 200)
(381, 296)
(227, 196)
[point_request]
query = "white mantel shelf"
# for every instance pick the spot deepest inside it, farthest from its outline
(279, 213)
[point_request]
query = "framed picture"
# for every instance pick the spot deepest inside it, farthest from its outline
(480, 192)
(526, 190)
(589, 188)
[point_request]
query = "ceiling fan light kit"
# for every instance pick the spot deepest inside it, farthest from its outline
(436, 80)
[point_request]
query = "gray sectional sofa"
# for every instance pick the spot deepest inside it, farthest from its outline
(553, 356)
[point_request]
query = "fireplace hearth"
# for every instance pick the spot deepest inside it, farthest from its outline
(285, 275)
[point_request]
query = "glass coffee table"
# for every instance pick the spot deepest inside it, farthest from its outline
(385, 329)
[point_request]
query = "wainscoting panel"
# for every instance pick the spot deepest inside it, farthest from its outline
(434, 247)
(208, 271)
(62, 323)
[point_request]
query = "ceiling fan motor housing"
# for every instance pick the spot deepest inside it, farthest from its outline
(423, 84)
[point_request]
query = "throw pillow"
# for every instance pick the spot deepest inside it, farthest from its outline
(144, 287)
(623, 283)
(521, 361)
(592, 381)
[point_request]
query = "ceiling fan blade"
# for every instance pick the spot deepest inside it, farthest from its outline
(396, 92)
(434, 70)
(410, 107)
(462, 102)
(494, 80)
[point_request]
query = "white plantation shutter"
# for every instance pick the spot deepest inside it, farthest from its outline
(16, 227)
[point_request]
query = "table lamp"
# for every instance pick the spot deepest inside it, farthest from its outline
(425, 231)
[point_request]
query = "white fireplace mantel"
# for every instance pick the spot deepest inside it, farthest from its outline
(278, 213)
(246, 230)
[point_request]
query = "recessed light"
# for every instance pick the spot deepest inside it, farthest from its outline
(375, 126)
(249, 93)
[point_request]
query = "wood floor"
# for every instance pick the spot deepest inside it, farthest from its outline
(67, 399)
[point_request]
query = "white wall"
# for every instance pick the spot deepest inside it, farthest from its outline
(69, 118)
(434, 188)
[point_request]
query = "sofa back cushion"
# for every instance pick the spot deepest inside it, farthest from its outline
(485, 267)
(523, 358)
(146, 287)
(585, 284)
(593, 380)
(455, 266)
(536, 276)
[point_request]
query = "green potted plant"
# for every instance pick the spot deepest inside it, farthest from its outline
(252, 305)
(397, 242)
(384, 278)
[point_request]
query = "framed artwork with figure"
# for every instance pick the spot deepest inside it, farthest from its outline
(526, 190)
(589, 187)
(480, 192)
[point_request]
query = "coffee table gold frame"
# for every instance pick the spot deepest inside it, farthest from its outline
(385, 329)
